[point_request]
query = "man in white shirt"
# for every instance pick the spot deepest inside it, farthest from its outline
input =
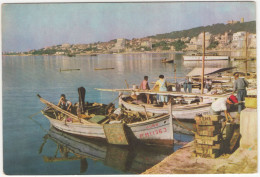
(221, 105)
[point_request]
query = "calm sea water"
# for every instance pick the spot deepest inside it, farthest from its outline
(27, 152)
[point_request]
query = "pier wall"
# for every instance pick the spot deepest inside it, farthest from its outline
(243, 161)
(248, 128)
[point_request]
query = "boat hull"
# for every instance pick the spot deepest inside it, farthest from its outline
(199, 58)
(77, 128)
(152, 131)
(180, 113)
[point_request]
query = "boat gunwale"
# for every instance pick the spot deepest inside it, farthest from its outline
(180, 108)
(154, 119)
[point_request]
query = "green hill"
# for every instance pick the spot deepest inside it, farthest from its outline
(213, 29)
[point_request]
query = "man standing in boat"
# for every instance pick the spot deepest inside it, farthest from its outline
(240, 85)
(64, 103)
(187, 85)
(222, 105)
(162, 87)
(145, 86)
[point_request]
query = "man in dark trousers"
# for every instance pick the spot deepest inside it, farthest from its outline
(240, 85)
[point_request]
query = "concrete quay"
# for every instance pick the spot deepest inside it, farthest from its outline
(243, 161)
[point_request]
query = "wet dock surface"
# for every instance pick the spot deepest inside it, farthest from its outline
(183, 162)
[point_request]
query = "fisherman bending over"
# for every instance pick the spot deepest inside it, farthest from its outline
(222, 104)
(64, 104)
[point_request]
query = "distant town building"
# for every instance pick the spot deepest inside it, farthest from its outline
(147, 44)
(193, 40)
(81, 46)
(232, 22)
(120, 45)
(193, 47)
(252, 41)
(207, 39)
(225, 39)
(60, 53)
(239, 39)
(65, 45)
(185, 39)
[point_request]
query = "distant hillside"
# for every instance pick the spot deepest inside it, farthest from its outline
(214, 29)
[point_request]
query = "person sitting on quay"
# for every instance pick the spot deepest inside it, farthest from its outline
(162, 87)
(240, 85)
(64, 103)
(222, 105)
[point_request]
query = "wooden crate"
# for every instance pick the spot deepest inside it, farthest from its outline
(208, 136)
(210, 130)
(206, 142)
(213, 138)
(208, 119)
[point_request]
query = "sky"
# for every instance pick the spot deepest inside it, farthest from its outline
(34, 26)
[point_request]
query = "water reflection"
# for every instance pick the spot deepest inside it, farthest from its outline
(125, 159)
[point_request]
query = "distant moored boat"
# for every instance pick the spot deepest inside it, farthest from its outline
(208, 57)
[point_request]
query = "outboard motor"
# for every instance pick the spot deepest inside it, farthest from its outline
(82, 92)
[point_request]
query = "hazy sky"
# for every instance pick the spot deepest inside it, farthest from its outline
(34, 26)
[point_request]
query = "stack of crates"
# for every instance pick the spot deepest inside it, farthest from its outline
(208, 137)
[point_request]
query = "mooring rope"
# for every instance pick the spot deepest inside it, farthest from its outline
(181, 124)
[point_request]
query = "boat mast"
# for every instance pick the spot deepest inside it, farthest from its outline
(175, 73)
(203, 61)
(170, 119)
(246, 53)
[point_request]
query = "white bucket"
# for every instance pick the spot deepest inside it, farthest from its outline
(135, 86)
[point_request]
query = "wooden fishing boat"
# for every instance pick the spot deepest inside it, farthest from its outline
(165, 60)
(103, 68)
(71, 54)
(208, 57)
(153, 130)
(185, 111)
(140, 157)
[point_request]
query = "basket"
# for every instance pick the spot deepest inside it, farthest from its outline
(251, 102)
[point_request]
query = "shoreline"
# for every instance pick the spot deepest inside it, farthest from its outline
(144, 52)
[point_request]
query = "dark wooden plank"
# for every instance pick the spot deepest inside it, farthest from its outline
(215, 146)
(214, 138)
(209, 117)
(115, 134)
(206, 142)
(207, 151)
(210, 130)
(235, 138)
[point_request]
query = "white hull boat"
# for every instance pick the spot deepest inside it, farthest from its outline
(187, 112)
(207, 58)
(155, 130)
